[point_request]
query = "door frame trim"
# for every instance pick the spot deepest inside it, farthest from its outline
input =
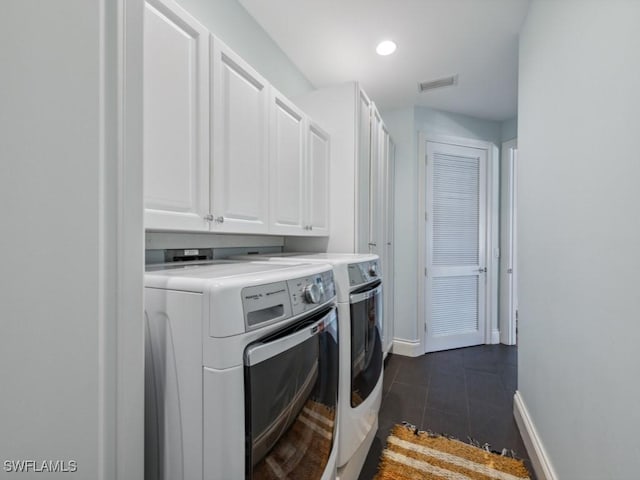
(121, 242)
(492, 334)
(508, 282)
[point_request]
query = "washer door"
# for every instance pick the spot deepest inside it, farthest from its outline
(366, 344)
(291, 385)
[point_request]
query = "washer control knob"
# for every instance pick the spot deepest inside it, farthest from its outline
(313, 293)
(373, 271)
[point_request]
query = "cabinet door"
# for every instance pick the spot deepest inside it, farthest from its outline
(376, 189)
(239, 176)
(176, 119)
(363, 172)
(318, 180)
(286, 164)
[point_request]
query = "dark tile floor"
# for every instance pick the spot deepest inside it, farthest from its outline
(465, 393)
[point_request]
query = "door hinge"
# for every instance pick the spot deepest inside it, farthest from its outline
(426, 216)
(425, 271)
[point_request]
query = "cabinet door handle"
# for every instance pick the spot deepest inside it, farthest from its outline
(219, 219)
(208, 217)
(371, 244)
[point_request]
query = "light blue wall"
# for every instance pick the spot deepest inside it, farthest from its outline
(437, 122)
(510, 129)
(578, 234)
(229, 21)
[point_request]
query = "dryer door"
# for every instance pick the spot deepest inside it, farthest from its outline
(291, 385)
(366, 343)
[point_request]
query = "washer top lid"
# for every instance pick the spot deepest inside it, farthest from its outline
(194, 276)
(330, 258)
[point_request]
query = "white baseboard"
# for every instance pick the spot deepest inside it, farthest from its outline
(532, 442)
(408, 348)
(495, 337)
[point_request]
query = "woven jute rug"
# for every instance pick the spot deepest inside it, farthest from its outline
(415, 455)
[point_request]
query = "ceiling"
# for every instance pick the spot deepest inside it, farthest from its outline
(333, 41)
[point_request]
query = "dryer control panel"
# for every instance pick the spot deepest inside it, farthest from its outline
(273, 302)
(363, 273)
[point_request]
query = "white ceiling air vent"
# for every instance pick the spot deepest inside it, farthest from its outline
(441, 82)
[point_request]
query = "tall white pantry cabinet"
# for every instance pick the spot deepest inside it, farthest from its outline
(223, 150)
(362, 176)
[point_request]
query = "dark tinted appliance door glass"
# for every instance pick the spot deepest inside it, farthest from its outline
(366, 347)
(290, 404)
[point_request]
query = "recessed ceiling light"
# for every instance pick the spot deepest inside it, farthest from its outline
(386, 47)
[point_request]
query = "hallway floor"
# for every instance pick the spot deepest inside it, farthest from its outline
(465, 393)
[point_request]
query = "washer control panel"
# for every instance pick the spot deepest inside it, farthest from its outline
(308, 292)
(266, 304)
(363, 272)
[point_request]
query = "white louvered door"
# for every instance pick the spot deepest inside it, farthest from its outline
(456, 208)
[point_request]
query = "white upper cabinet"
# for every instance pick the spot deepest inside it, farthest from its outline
(318, 180)
(223, 150)
(176, 118)
(287, 167)
(240, 126)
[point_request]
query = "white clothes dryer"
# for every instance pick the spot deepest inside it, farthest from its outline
(241, 372)
(359, 290)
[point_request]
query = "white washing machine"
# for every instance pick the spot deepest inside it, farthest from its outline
(360, 322)
(241, 372)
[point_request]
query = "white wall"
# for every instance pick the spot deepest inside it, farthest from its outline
(229, 21)
(59, 201)
(579, 232)
(404, 125)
